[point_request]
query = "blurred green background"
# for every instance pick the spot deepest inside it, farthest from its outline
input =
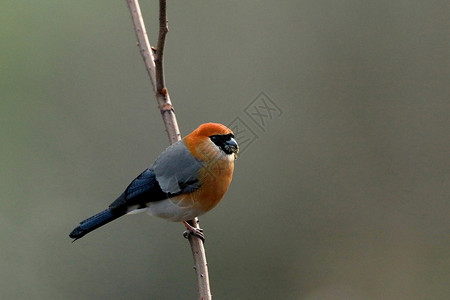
(343, 194)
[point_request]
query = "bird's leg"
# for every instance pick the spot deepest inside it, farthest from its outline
(198, 232)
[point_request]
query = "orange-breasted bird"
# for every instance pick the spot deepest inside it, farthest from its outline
(188, 179)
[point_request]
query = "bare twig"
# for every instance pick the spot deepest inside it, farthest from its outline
(163, 29)
(143, 43)
(155, 70)
(161, 93)
(200, 264)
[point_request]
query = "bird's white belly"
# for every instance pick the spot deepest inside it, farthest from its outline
(173, 210)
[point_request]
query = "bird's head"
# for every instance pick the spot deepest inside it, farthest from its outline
(212, 139)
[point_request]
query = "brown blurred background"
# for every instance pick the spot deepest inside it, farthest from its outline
(342, 193)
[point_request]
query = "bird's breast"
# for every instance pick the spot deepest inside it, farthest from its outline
(215, 178)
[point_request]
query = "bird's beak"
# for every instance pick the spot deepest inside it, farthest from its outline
(231, 146)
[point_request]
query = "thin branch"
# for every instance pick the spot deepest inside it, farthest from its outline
(161, 93)
(155, 71)
(143, 43)
(163, 29)
(200, 264)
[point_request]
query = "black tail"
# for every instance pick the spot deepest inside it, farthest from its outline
(95, 222)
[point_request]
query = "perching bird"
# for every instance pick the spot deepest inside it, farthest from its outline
(188, 179)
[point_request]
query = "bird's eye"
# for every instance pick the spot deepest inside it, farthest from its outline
(218, 139)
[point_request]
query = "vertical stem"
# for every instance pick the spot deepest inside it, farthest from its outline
(163, 29)
(200, 264)
(143, 43)
(155, 70)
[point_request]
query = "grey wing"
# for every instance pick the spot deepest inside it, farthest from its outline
(176, 170)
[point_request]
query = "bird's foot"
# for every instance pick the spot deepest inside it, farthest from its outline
(191, 230)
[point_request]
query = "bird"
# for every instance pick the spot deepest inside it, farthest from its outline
(188, 179)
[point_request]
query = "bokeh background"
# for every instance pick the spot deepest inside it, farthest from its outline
(343, 193)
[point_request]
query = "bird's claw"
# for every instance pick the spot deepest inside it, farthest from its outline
(198, 232)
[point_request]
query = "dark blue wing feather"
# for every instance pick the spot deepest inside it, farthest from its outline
(144, 183)
(142, 190)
